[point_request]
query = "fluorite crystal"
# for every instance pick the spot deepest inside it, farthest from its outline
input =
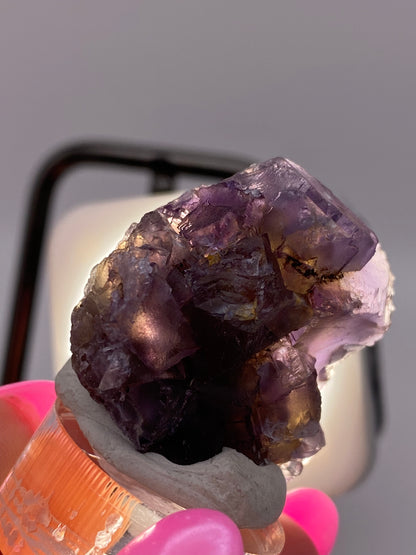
(209, 324)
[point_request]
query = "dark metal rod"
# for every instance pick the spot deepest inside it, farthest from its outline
(373, 369)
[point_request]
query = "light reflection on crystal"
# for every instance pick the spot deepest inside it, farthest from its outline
(210, 322)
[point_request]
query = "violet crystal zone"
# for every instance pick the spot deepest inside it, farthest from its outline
(210, 323)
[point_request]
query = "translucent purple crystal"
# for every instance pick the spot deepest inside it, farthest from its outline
(208, 325)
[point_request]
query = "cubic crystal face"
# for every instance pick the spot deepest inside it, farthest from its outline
(209, 324)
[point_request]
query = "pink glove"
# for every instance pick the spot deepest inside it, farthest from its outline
(22, 406)
(316, 514)
(191, 532)
(310, 521)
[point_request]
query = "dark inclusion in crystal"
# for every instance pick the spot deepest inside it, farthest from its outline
(203, 328)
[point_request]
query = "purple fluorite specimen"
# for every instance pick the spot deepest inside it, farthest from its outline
(208, 324)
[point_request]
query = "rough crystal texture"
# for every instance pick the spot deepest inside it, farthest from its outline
(209, 323)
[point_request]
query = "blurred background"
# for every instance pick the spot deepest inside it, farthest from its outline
(330, 85)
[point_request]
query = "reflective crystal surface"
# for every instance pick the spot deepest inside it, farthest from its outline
(210, 322)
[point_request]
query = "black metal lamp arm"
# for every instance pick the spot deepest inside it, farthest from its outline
(165, 164)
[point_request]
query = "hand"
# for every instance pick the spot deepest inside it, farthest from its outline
(309, 519)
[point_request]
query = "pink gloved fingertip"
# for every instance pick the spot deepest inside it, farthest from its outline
(317, 514)
(190, 532)
(34, 397)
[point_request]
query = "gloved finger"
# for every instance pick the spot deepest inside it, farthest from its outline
(22, 407)
(33, 397)
(15, 432)
(190, 532)
(316, 514)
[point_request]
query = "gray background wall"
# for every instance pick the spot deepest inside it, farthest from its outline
(329, 84)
